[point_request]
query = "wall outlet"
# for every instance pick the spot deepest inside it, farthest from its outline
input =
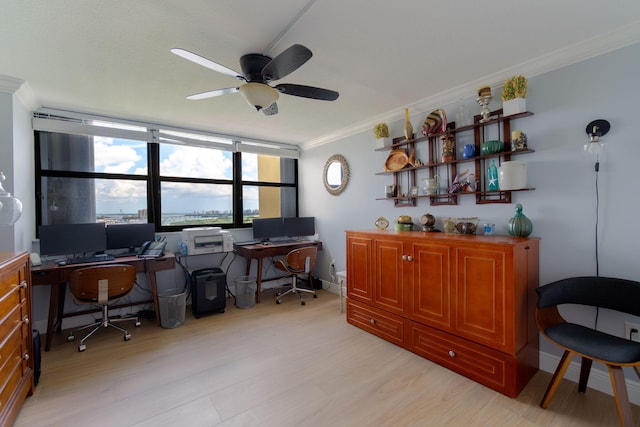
(632, 331)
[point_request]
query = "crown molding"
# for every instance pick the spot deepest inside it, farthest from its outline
(578, 52)
(21, 89)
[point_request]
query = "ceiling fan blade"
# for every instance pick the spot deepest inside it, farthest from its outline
(287, 62)
(270, 110)
(190, 56)
(213, 93)
(308, 92)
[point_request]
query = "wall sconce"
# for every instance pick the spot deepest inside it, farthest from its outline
(10, 207)
(594, 148)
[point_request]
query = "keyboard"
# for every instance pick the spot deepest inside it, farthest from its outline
(90, 259)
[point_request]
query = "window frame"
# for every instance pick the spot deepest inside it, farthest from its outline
(78, 123)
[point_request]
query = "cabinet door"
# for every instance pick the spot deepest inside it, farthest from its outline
(388, 277)
(430, 291)
(359, 268)
(481, 294)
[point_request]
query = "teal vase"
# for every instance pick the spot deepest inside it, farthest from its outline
(519, 225)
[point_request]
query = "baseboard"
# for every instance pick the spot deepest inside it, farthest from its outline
(598, 379)
(331, 287)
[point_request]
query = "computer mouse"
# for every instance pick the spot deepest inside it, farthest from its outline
(62, 263)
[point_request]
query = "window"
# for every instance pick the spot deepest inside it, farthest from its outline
(91, 170)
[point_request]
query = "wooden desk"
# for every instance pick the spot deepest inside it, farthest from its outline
(57, 276)
(260, 251)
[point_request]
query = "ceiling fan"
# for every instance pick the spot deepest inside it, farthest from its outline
(257, 72)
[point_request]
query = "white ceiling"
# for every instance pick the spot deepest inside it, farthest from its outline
(112, 57)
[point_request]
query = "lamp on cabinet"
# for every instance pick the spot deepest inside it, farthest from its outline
(10, 207)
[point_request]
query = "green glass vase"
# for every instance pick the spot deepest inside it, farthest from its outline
(519, 225)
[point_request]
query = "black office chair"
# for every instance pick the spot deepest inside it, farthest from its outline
(298, 262)
(100, 285)
(615, 352)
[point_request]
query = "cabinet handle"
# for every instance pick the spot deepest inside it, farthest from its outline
(409, 258)
(23, 284)
(372, 321)
(404, 257)
(26, 356)
(452, 353)
(26, 320)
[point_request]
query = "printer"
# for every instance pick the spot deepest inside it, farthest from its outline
(207, 240)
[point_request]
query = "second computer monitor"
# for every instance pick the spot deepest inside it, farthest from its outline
(129, 236)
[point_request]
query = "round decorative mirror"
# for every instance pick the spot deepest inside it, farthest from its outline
(336, 174)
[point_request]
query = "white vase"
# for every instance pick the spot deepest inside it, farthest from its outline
(514, 106)
(512, 175)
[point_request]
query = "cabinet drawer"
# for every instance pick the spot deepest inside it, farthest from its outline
(481, 364)
(377, 322)
(10, 355)
(8, 281)
(46, 277)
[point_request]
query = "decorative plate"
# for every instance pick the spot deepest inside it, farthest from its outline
(435, 122)
(382, 223)
(397, 160)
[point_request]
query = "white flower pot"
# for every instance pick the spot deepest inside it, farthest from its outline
(512, 175)
(514, 106)
(383, 142)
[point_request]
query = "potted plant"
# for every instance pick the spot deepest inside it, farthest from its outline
(381, 131)
(514, 93)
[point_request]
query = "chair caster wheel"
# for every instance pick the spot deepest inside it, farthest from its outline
(127, 337)
(315, 296)
(138, 324)
(278, 301)
(303, 303)
(71, 338)
(82, 348)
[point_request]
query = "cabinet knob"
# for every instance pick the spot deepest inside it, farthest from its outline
(409, 258)
(452, 353)
(372, 321)
(404, 257)
(26, 320)
(26, 356)
(23, 284)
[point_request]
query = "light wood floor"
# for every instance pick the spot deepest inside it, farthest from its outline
(279, 365)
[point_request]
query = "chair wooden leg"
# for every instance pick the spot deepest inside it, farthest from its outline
(565, 361)
(620, 393)
(585, 368)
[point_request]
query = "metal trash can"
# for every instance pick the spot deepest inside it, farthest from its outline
(246, 288)
(173, 304)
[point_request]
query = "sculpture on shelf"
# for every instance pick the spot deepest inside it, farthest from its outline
(408, 127)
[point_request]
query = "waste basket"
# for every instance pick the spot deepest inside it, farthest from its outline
(173, 305)
(246, 291)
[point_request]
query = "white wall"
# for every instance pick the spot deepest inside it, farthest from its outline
(562, 208)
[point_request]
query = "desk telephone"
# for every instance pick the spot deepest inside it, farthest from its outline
(152, 249)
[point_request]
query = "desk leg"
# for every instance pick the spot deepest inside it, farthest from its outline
(53, 308)
(259, 281)
(154, 292)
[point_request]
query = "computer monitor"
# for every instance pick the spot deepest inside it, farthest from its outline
(300, 226)
(72, 239)
(129, 236)
(268, 228)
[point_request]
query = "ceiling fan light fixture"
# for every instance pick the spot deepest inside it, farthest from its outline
(259, 95)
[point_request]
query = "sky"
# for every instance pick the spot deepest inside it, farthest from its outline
(129, 157)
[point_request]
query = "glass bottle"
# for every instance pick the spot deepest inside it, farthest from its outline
(492, 177)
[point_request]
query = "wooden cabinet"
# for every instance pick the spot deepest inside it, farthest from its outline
(16, 339)
(429, 149)
(463, 301)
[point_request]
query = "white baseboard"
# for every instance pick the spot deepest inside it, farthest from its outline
(598, 379)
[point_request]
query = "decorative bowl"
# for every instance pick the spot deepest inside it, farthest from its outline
(467, 225)
(449, 225)
(491, 147)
